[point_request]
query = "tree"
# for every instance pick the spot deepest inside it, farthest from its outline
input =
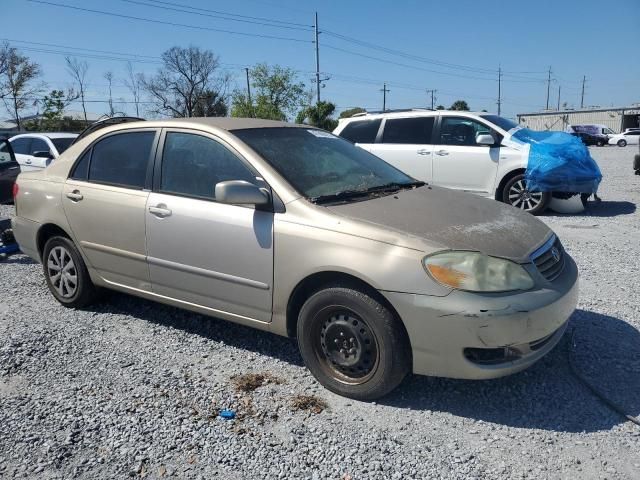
(210, 104)
(351, 112)
(54, 105)
(319, 115)
(459, 105)
(440, 107)
(108, 76)
(78, 70)
(188, 75)
(17, 77)
(277, 94)
(134, 83)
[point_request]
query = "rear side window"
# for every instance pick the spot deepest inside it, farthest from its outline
(415, 130)
(62, 144)
(21, 145)
(361, 131)
(39, 145)
(81, 170)
(192, 165)
(122, 159)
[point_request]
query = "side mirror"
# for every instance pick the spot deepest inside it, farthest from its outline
(239, 192)
(42, 154)
(485, 139)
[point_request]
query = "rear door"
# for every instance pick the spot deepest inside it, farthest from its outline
(202, 252)
(632, 137)
(407, 144)
(105, 199)
(461, 163)
(9, 170)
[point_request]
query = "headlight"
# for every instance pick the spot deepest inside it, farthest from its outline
(477, 272)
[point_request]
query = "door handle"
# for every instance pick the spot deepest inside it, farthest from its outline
(75, 196)
(442, 153)
(160, 211)
(423, 151)
(28, 162)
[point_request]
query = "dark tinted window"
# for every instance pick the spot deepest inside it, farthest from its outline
(633, 132)
(193, 164)
(39, 145)
(61, 144)
(461, 131)
(506, 124)
(415, 130)
(361, 131)
(122, 159)
(21, 145)
(81, 170)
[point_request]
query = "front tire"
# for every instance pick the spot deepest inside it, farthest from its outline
(516, 194)
(352, 343)
(66, 273)
(622, 143)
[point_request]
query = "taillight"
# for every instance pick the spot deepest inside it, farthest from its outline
(15, 190)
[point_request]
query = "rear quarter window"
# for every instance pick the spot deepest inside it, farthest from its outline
(361, 131)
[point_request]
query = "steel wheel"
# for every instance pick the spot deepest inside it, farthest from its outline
(62, 272)
(346, 347)
(521, 197)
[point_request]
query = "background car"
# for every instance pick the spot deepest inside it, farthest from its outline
(9, 170)
(601, 132)
(630, 137)
(37, 150)
(589, 139)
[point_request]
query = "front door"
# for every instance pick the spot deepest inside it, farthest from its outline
(459, 162)
(407, 145)
(105, 199)
(202, 252)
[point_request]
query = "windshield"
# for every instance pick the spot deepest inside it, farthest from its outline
(319, 164)
(62, 144)
(503, 123)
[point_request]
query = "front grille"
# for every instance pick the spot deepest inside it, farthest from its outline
(550, 259)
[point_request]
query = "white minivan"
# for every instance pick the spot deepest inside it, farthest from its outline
(470, 151)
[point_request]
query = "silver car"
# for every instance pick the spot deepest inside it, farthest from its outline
(290, 229)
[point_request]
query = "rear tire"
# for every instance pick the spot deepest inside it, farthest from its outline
(622, 143)
(352, 343)
(66, 273)
(515, 193)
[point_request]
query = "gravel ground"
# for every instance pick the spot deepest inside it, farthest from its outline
(133, 388)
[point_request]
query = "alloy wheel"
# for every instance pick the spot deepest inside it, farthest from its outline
(62, 272)
(521, 197)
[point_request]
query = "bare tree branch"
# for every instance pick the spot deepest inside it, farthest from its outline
(134, 84)
(78, 71)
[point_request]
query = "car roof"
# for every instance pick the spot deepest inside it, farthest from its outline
(46, 134)
(224, 123)
(412, 113)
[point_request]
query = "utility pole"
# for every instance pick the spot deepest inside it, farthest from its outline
(584, 79)
(558, 97)
(249, 91)
(432, 97)
(384, 97)
(548, 87)
(499, 88)
(317, 59)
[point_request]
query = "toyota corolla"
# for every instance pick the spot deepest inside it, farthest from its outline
(290, 229)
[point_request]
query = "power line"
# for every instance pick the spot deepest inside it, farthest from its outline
(220, 15)
(173, 24)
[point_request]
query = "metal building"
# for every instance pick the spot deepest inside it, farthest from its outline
(617, 119)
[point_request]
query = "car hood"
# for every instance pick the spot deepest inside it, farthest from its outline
(449, 219)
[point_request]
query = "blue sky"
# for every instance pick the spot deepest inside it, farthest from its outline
(453, 47)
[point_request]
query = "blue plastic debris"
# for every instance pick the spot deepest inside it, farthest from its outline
(558, 162)
(227, 414)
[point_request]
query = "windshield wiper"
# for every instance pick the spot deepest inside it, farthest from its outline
(394, 186)
(343, 195)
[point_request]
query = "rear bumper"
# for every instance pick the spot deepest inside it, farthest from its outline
(473, 336)
(26, 233)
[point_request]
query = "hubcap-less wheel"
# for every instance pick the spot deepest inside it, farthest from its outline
(347, 347)
(521, 197)
(62, 272)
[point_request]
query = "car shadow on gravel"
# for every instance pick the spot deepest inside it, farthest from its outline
(607, 208)
(547, 396)
(217, 330)
(18, 259)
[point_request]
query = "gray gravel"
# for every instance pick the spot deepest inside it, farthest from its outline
(132, 388)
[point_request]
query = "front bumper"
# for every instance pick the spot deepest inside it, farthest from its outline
(461, 335)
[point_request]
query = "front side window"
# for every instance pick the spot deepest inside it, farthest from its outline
(39, 145)
(506, 124)
(319, 164)
(415, 131)
(192, 165)
(361, 131)
(461, 131)
(122, 159)
(22, 145)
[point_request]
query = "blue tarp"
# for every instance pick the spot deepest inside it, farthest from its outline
(558, 162)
